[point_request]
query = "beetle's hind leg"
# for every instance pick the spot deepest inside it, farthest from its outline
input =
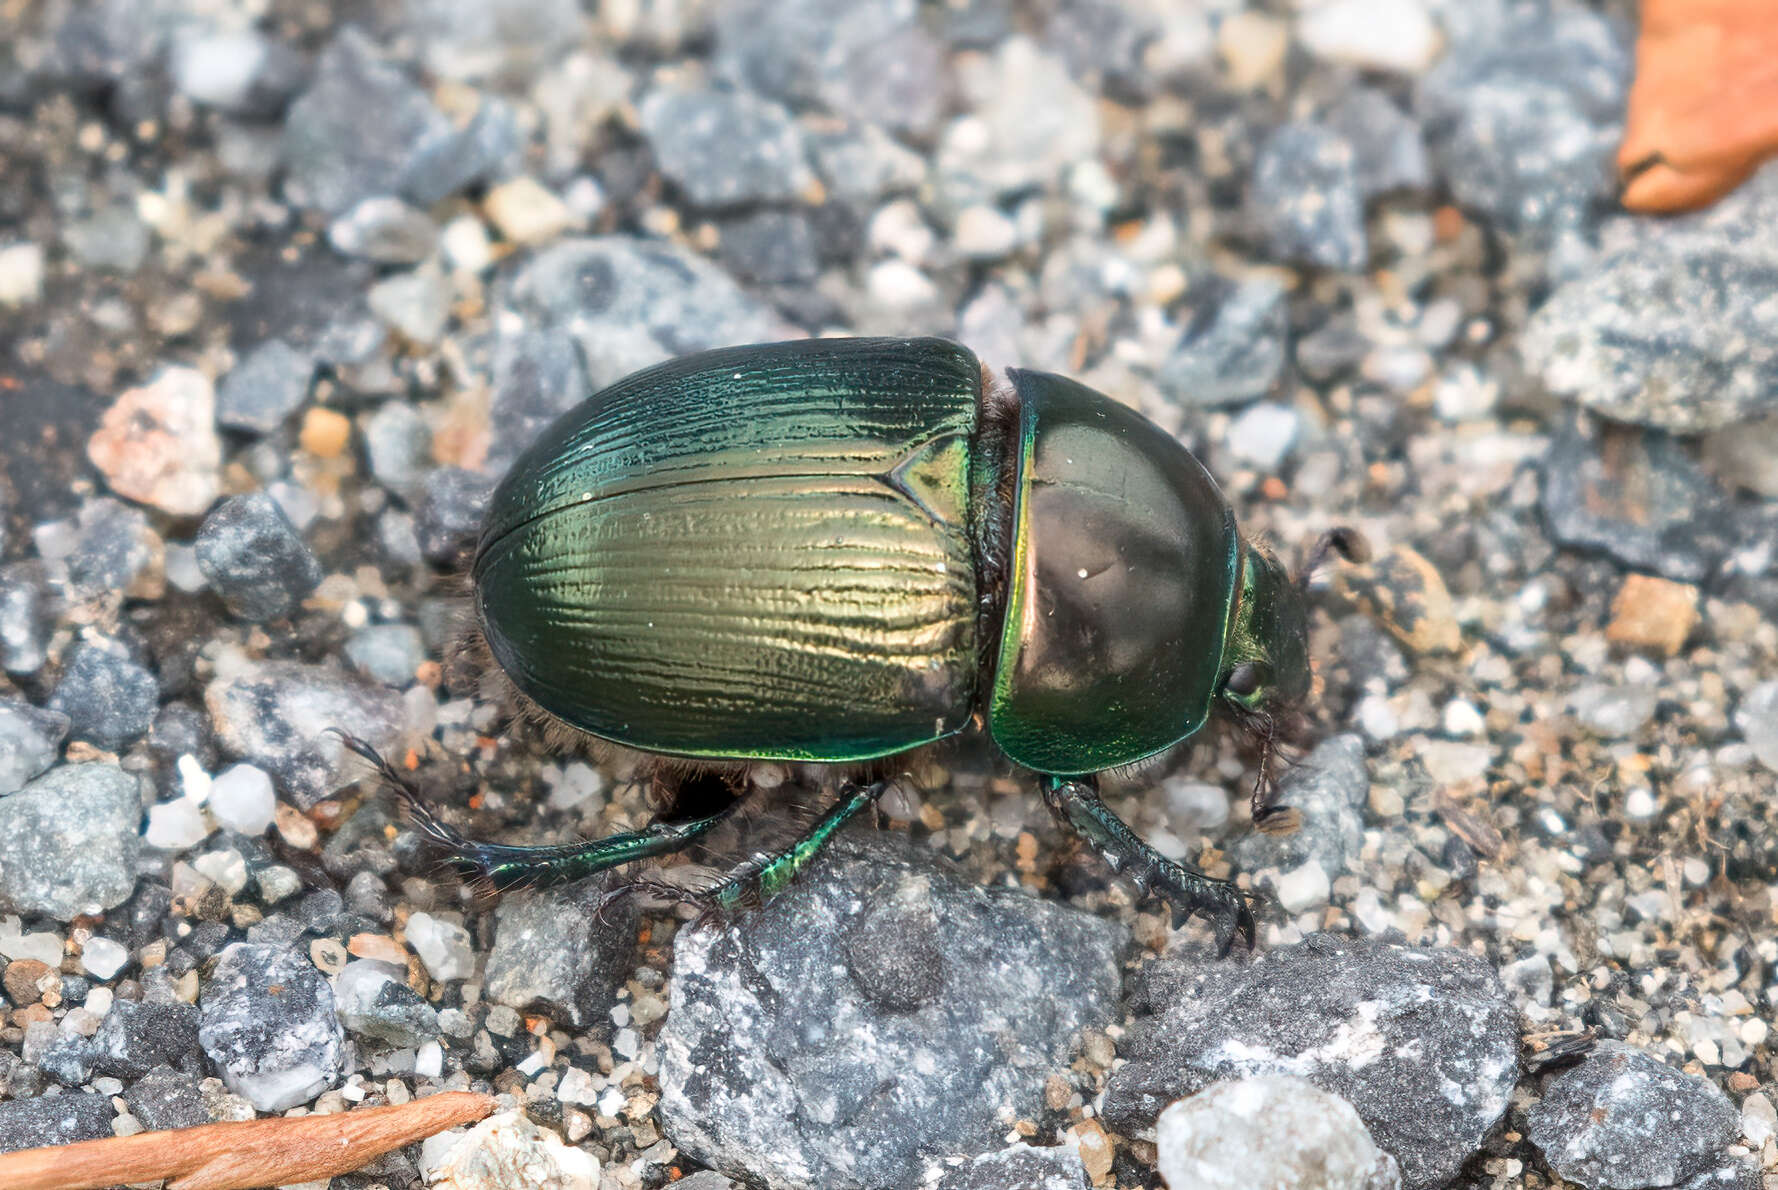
(501, 866)
(1076, 803)
(756, 879)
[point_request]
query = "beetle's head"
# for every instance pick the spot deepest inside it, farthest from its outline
(1266, 676)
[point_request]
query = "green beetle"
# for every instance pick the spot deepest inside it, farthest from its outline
(836, 551)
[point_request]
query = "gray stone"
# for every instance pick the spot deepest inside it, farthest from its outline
(1388, 152)
(779, 1067)
(25, 619)
(449, 516)
(631, 303)
(275, 1048)
(513, 40)
(1033, 122)
(30, 741)
(1021, 1167)
(866, 59)
(416, 304)
(277, 714)
(561, 954)
(537, 378)
(385, 230)
(138, 1035)
(860, 163)
(261, 392)
(1523, 115)
(1273, 1132)
(1234, 346)
(114, 549)
(726, 148)
(165, 1098)
(111, 239)
(387, 653)
(1307, 200)
(54, 1120)
(255, 559)
(109, 700)
(1423, 1043)
(335, 155)
(1757, 717)
(491, 146)
(1328, 790)
(1621, 1119)
(1639, 497)
(398, 445)
(770, 248)
(1676, 327)
(68, 842)
(374, 1002)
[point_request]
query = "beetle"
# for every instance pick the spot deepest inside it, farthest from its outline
(837, 551)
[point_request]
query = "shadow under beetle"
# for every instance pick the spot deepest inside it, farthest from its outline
(835, 551)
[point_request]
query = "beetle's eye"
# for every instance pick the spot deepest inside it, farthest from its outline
(1247, 681)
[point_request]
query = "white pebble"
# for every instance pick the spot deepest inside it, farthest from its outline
(429, 1060)
(1463, 719)
(103, 958)
(442, 946)
(194, 782)
(1640, 804)
(1263, 435)
(21, 274)
(983, 233)
(175, 825)
(226, 869)
(242, 799)
(1306, 887)
(466, 244)
(1396, 35)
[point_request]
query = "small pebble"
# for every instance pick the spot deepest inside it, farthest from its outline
(525, 213)
(1654, 613)
(242, 799)
(157, 444)
(255, 559)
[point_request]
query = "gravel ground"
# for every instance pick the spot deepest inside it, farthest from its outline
(285, 286)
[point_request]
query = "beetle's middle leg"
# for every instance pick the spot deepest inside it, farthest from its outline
(1075, 801)
(758, 878)
(502, 866)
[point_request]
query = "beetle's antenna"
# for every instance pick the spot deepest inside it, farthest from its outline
(1343, 540)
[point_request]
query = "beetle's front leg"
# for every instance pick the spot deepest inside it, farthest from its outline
(1076, 803)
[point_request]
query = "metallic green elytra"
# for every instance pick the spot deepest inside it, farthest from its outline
(838, 550)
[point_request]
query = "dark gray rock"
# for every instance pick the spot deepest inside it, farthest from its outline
(449, 516)
(164, 1098)
(109, 700)
(1307, 201)
(275, 1048)
(263, 390)
(631, 303)
(1674, 327)
(1022, 1167)
(68, 1058)
(1639, 497)
(1523, 115)
(895, 956)
(54, 1120)
(490, 147)
(1388, 152)
(138, 1035)
(558, 953)
(1328, 790)
(778, 1066)
(255, 559)
(68, 842)
(375, 1003)
(726, 148)
(537, 378)
(1234, 346)
(277, 715)
(1621, 1119)
(334, 155)
(1424, 1043)
(868, 59)
(30, 741)
(25, 619)
(771, 248)
(113, 548)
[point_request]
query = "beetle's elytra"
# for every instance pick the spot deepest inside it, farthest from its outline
(838, 550)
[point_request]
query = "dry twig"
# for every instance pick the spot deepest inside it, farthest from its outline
(240, 1156)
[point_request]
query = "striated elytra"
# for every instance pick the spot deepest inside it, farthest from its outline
(838, 550)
